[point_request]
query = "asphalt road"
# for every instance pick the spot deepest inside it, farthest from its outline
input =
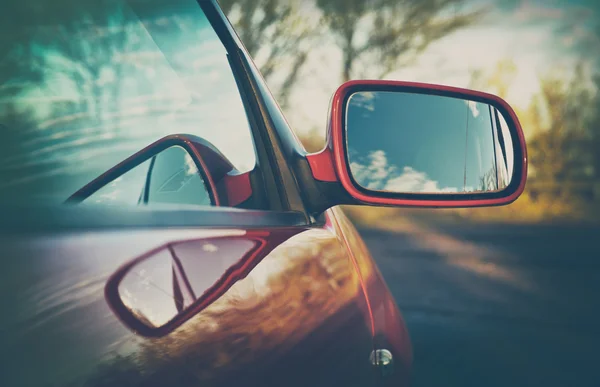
(497, 305)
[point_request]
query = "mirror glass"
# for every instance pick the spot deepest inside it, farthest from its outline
(169, 177)
(402, 142)
(175, 179)
(165, 284)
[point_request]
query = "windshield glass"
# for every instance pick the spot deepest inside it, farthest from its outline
(85, 84)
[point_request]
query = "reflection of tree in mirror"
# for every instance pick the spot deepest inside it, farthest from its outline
(489, 180)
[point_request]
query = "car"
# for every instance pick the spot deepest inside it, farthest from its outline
(161, 223)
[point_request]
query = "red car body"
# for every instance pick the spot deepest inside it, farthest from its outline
(310, 312)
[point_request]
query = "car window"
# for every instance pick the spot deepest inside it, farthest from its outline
(85, 84)
(127, 189)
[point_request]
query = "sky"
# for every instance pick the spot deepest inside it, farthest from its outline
(538, 36)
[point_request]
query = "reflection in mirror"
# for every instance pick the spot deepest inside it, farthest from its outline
(174, 178)
(158, 288)
(169, 177)
(420, 143)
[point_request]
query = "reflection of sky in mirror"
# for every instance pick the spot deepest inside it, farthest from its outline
(174, 179)
(147, 289)
(509, 148)
(416, 143)
(109, 89)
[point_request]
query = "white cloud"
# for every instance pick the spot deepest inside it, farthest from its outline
(412, 180)
(378, 174)
(363, 99)
(474, 109)
(375, 173)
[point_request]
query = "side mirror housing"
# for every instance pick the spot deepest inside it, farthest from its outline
(194, 156)
(406, 144)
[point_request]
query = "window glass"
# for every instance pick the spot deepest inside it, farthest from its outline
(85, 84)
(127, 189)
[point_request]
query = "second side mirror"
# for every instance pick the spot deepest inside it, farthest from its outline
(176, 169)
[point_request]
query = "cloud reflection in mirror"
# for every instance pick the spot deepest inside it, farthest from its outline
(421, 143)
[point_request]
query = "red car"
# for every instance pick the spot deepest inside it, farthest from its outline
(219, 257)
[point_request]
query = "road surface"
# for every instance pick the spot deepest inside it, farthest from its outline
(497, 305)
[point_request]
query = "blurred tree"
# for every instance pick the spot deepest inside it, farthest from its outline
(560, 151)
(278, 35)
(384, 35)
(594, 129)
(561, 124)
(498, 81)
(313, 140)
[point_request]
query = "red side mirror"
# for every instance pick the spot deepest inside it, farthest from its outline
(410, 144)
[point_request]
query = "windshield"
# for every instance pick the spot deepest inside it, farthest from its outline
(85, 84)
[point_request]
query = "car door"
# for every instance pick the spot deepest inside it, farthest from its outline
(293, 312)
(298, 316)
